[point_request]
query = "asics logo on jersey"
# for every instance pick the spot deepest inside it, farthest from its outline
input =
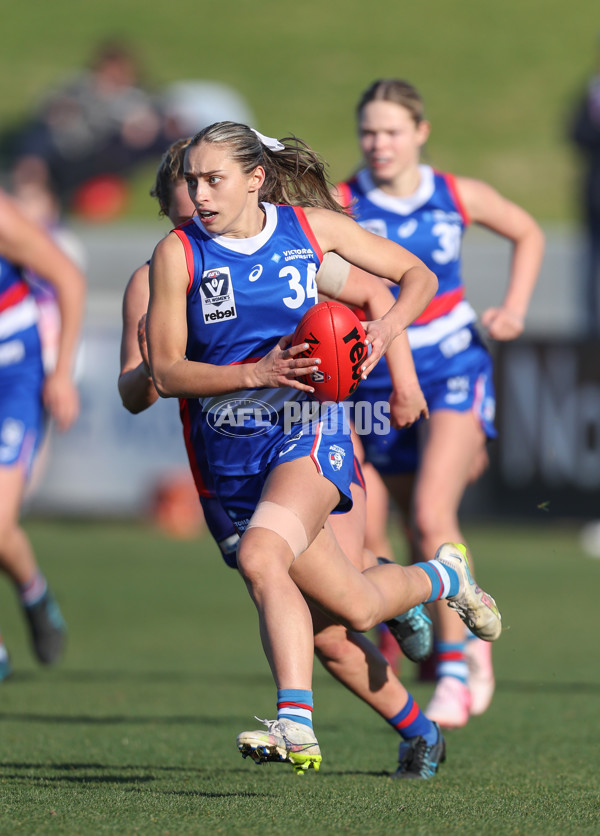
(256, 273)
(216, 293)
(405, 230)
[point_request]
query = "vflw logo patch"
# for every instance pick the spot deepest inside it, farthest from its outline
(216, 292)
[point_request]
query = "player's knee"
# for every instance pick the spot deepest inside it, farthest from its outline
(251, 560)
(260, 555)
(428, 521)
(364, 617)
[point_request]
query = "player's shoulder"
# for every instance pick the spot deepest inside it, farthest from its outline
(475, 195)
(469, 185)
(170, 244)
(139, 278)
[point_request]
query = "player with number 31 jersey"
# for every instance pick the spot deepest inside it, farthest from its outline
(430, 223)
(428, 466)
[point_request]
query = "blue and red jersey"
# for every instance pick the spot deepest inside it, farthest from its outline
(18, 310)
(430, 224)
(244, 294)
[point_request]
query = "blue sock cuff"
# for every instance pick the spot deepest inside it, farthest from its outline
(436, 581)
(448, 647)
(444, 579)
(295, 695)
(295, 704)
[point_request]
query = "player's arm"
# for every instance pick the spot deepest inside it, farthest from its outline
(342, 281)
(26, 244)
(136, 387)
(487, 207)
(177, 377)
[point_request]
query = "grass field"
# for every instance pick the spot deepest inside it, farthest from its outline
(135, 731)
(499, 79)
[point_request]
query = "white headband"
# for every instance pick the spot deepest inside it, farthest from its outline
(270, 142)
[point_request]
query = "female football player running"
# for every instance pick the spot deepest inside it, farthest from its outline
(28, 396)
(224, 288)
(348, 656)
(428, 467)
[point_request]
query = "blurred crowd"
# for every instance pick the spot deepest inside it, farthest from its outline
(76, 150)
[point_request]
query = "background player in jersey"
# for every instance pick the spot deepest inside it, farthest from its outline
(427, 468)
(27, 396)
(135, 381)
(223, 289)
(350, 657)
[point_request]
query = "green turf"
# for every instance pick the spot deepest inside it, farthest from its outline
(498, 77)
(135, 731)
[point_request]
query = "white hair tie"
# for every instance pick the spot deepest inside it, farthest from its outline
(270, 142)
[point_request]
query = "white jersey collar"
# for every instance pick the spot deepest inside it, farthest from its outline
(399, 205)
(246, 246)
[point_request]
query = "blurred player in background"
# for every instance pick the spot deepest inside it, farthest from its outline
(243, 186)
(427, 467)
(28, 396)
(135, 381)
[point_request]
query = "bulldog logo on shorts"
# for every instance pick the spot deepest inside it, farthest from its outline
(336, 456)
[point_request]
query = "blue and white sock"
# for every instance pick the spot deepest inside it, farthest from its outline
(295, 704)
(451, 660)
(444, 579)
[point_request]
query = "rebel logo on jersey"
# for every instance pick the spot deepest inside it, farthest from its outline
(216, 292)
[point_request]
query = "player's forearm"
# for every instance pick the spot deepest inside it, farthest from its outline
(137, 389)
(189, 379)
(527, 259)
(417, 289)
(71, 298)
(401, 365)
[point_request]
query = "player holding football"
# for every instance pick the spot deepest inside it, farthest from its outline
(350, 657)
(223, 288)
(27, 397)
(426, 211)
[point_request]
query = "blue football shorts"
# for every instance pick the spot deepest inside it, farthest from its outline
(331, 452)
(462, 383)
(22, 414)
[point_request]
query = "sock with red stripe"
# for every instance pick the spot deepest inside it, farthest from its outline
(444, 579)
(451, 660)
(295, 704)
(411, 722)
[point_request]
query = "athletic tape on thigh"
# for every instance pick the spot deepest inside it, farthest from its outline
(283, 522)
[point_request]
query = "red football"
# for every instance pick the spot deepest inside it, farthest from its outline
(337, 336)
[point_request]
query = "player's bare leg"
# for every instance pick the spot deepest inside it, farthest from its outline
(16, 554)
(295, 504)
(17, 559)
(455, 445)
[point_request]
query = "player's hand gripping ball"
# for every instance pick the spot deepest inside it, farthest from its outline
(335, 334)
